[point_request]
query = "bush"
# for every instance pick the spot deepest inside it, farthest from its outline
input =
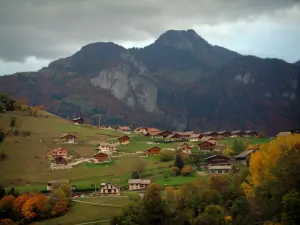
(166, 156)
(2, 136)
(2, 154)
(134, 196)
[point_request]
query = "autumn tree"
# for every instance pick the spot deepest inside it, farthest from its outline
(37, 206)
(169, 194)
(186, 170)
(154, 207)
(175, 170)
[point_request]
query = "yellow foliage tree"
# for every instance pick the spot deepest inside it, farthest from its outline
(262, 161)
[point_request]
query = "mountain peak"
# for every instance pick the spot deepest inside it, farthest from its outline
(181, 39)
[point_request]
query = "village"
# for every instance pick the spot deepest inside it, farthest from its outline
(186, 143)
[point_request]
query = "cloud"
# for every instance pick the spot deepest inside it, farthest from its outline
(52, 29)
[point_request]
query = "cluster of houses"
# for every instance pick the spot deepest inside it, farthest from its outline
(107, 189)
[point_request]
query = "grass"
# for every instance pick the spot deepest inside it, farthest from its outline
(108, 200)
(248, 141)
(82, 212)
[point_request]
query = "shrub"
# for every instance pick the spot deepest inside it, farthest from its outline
(186, 170)
(166, 156)
(134, 196)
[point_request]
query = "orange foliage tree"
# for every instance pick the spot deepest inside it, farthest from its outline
(19, 202)
(7, 203)
(36, 206)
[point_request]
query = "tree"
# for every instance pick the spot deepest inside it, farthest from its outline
(14, 192)
(178, 162)
(175, 170)
(166, 156)
(7, 203)
(36, 206)
(19, 202)
(135, 175)
(139, 166)
(205, 219)
(291, 207)
(132, 215)
(238, 146)
(13, 122)
(2, 191)
(216, 212)
(154, 207)
(186, 170)
(170, 194)
(2, 136)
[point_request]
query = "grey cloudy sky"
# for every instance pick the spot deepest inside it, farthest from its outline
(35, 32)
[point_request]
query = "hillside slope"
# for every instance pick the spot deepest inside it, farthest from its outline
(26, 160)
(179, 82)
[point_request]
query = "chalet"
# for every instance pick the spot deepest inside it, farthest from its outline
(186, 148)
(210, 134)
(243, 158)
(206, 146)
(58, 152)
(210, 139)
(153, 150)
(218, 169)
(151, 129)
(68, 139)
(78, 120)
(237, 133)
(140, 130)
(102, 157)
(173, 137)
(223, 134)
(109, 189)
(124, 140)
(217, 160)
(60, 161)
(56, 183)
(195, 137)
(163, 134)
(250, 133)
(107, 148)
(138, 184)
(125, 130)
(185, 135)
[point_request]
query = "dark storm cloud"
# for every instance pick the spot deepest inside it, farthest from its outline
(51, 29)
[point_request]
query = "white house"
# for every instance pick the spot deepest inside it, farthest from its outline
(138, 184)
(109, 189)
(107, 148)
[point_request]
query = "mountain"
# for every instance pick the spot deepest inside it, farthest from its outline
(297, 63)
(179, 82)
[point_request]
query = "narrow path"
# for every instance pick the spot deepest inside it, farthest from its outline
(98, 221)
(95, 203)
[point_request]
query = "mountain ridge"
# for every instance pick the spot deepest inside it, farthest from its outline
(178, 82)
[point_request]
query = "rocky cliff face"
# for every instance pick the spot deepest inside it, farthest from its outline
(179, 82)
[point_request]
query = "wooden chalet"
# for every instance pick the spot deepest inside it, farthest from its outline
(124, 129)
(186, 148)
(107, 148)
(244, 157)
(140, 130)
(109, 189)
(124, 140)
(206, 146)
(185, 135)
(138, 184)
(153, 150)
(237, 133)
(102, 157)
(223, 134)
(195, 137)
(163, 134)
(250, 133)
(210, 134)
(152, 129)
(218, 164)
(58, 152)
(68, 138)
(78, 120)
(173, 137)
